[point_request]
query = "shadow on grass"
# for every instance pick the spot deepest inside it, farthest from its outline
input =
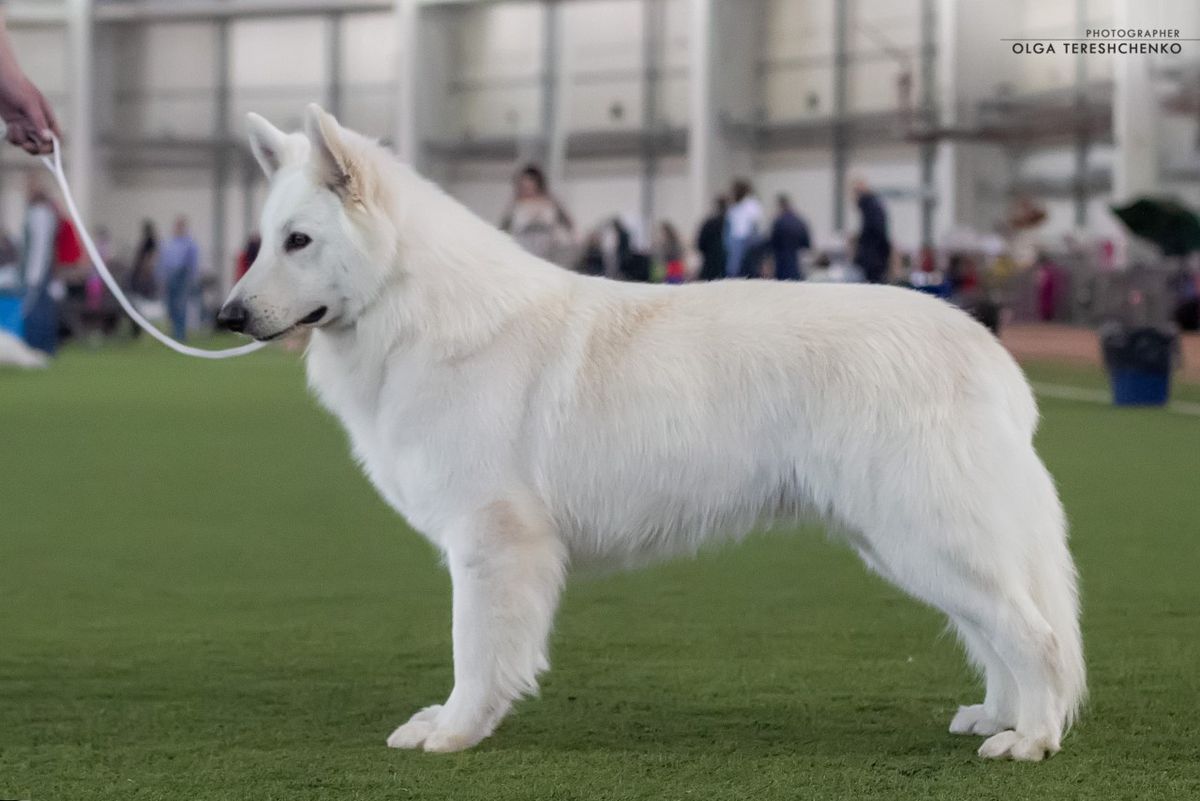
(815, 727)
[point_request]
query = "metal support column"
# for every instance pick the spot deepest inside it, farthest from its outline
(928, 147)
(1137, 115)
(81, 141)
(653, 22)
(333, 63)
(408, 63)
(554, 104)
(220, 266)
(840, 145)
(1082, 131)
(702, 119)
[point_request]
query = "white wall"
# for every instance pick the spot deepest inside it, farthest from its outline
(798, 54)
(164, 76)
(268, 73)
(369, 53)
(1039, 19)
(495, 89)
(793, 89)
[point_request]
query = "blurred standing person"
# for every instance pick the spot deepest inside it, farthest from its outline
(744, 222)
(789, 236)
(632, 263)
(39, 309)
(141, 275)
(670, 249)
(144, 262)
(177, 268)
(537, 221)
(26, 114)
(874, 248)
(710, 241)
(591, 262)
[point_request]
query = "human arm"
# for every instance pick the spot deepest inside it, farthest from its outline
(25, 111)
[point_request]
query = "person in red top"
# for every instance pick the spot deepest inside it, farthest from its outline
(247, 256)
(671, 252)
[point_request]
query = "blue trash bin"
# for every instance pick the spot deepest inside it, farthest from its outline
(1139, 362)
(1140, 387)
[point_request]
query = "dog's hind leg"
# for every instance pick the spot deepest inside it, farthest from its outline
(1031, 650)
(507, 567)
(1001, 571)
(1003, 630)
(999, 708)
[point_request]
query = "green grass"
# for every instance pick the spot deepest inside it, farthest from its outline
(1090, 378)
(201, 598)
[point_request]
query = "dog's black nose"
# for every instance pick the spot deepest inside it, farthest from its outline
(233, 316)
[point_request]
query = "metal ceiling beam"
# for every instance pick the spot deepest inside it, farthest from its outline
(667, 141)
(131, 11)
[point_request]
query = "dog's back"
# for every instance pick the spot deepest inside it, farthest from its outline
(718, 407)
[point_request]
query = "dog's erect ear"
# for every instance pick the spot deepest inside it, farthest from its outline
(334, 163)
(270, 145)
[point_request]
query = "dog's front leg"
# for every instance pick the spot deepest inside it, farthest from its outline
(507, 573)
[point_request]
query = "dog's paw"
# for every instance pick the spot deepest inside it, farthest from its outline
(414, 733)
(1011, 745)
(975, 719)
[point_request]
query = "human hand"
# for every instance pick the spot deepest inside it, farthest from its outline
(27, 115)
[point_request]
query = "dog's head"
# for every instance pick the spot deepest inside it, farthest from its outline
(327, 239)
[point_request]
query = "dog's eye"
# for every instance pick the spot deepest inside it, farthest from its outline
(296, 241)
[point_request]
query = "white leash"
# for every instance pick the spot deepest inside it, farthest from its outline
(54, 165)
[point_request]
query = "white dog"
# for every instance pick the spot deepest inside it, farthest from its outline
(526, 419)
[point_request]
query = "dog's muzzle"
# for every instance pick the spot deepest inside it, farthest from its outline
(233, 316)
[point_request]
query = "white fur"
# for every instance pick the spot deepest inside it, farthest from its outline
(526, 419)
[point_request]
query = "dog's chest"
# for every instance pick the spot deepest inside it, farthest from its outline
(397, 427)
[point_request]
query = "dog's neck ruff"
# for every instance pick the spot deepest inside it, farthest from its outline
(53, 163)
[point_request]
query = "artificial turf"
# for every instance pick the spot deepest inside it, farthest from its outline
(201, 598)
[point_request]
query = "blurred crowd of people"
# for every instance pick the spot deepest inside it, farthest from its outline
(739, 238)
(50, 290)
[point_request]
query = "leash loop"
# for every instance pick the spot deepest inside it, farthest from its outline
(53, 163)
